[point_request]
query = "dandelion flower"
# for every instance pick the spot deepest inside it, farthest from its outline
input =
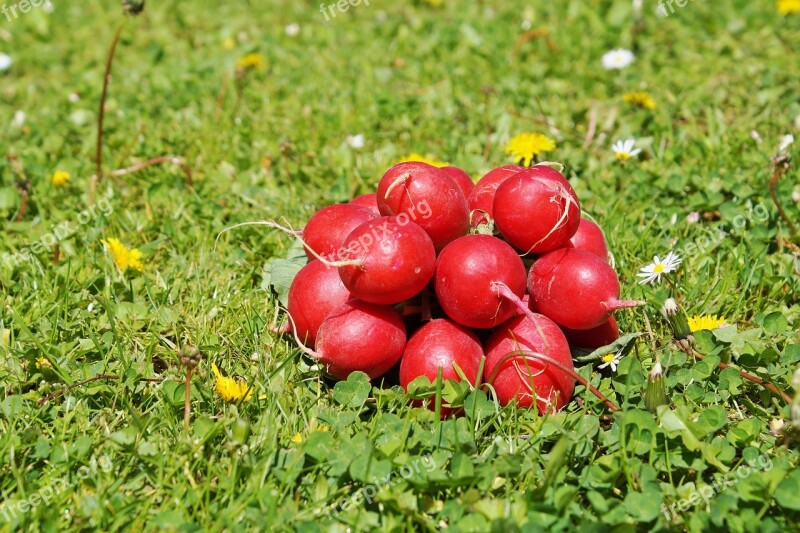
(610, 360)
(297, 438)
(707, 322)
(786, 7)
(252, 61)
(60, 178)
(231, 390)
(654, 270)
(5, 62)
(624, 150)
(414, 156)
(292, 30)
(526, 146)
(641, 99)
(356, 141)
(786, 141)
(617, 59)
(123, 256)
(43, 363)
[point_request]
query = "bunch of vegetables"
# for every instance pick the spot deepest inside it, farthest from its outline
(491, 283)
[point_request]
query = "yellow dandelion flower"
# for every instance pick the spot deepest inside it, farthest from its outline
(298, 438)
(43, 363)
(123, 256)
(229, 43)
(526, 146)
(252, 61)
(786, 7)
(707, 322)
(414, 156)
(60, 178)
(231, 390)
(641, 99)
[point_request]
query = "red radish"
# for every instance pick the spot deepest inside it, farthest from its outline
(517, 378)
(316, 290)
(481, 199)
(547, 172)
(590, 238)
(358, 336)
(467, 272)
(576, 289)
(328, 228)
(535, 213)
(439, 344)
(427, 196)
(594, 338)
(389, 261)
(369, 200)
(461, 178)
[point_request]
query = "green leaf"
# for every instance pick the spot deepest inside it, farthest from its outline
(353, 392)
(788, 492)
(775, 323)
(277, 274)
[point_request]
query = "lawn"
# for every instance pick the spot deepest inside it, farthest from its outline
(270, 110)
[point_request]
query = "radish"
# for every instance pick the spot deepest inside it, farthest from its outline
(369, 200)
(427, 196)
(594, 338)
(519, 378)
(467, 272)
(387, 260)
(481, 199)
(590, 238)
(315, 291)
(576, 289)
(328, 228)
(543, 170)
(440, 344)
(534, 212)
(359, 336)
(461, 178)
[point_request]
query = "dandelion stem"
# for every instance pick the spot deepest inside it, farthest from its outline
(187, 400)
(101, 114)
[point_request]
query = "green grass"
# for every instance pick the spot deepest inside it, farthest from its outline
(445, 82)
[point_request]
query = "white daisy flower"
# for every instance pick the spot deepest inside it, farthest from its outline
(19, 119)
(693, 217)
(786, 141)
(610, 360)
(356, 141)
(653, 271)
(624, 150)
(292, 30)
(617, 59)
(5, 62)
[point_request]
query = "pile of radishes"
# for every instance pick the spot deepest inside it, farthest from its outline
(430, 272)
